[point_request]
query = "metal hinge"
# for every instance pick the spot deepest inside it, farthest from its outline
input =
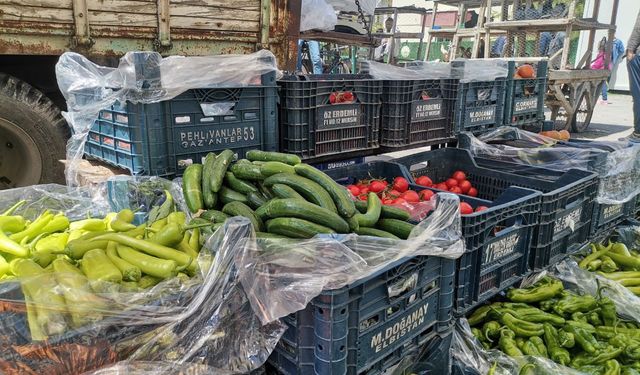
(81, 20)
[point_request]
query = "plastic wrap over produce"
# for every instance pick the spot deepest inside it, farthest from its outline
(367, 6)
(317, 15)
(143, 77)
(479, 69)
(470, 357)
(219, 315)
(413, 71)
(616, 162)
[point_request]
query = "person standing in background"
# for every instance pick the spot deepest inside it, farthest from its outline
(633, 66)
(314, 56)
(599, 64)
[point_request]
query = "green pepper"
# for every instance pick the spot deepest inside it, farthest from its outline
(76, 249)
(593, 318)
(521, 327)
(627, 261)
(8, 246)
(579, 317)
(194, 241)
(608, 311)
(508, 344)
(612, 367)
(13, 208)
(98, 268)
(556, 351)
(599, 358)
(607, 333)
(147, 282)
(529, 348)
(4, 266)
(629, 371)
(520, 342)
(541, 291)
(594, 265)
(621, 275)
(122, 221)
(153, 249)
(91, 225)
(608, 265)
(592, 369)
(575, 303)
(58, 223)
(34, 229)
(155, 227)
(82, 304)
(595, 254)
(620, 248)
(491, 330)
(177, 217)
(53, 243)
(128, 270)
(152, 266)
(12, 224)
(584, 339)
(566, 339)
(535, 315)
(477, 333)
(540, 346)
(582, 325)
(632, 350)
(548, 304)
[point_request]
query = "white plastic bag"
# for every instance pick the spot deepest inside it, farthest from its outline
(368, 6)
(317, 15)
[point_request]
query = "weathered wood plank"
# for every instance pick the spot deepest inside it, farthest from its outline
(215, 13)
(122, 19)
(232, 5)
(56, 4)
(37, 14)
(123, 6)
(181, 22)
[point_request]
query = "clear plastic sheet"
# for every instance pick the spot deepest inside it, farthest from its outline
(469, 354)
(480, 70)
(368, 6)
(616, 162)
(224, 320)
(143, 77)
(317, 15)
(412, 71)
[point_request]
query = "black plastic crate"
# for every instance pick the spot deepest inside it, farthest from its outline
(314, 128)
(164, 138)
(432, 358)
(366, 326)
(338, 163)
(481, 273)
(417, 113)
(566, 215)
(524, 106)
(608, 216)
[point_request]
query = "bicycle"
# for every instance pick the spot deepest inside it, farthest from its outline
(332, 61)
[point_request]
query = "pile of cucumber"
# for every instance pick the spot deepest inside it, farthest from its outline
(282, 197)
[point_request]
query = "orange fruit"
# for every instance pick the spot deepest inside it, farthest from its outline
(564, 135)
(526, 71)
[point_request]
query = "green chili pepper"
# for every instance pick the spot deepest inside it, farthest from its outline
(539, 292)
(98, 268)
(556, 351)
(177, 217)
(607, 310)
(13, 208)
(508, 344)
(4, 266)
(82, 304)
(599, 358)
(521, 327)
(566, 339)
(11, 247)
(91, 225)
(122, 221)
(584, 339)
(147, 282)
(54, 243)
(608, 265)
(594, 265)
(612, 367)
(548, 304)
(592, 369)
(620, 248)
(128, 270)
(625, 260)
(632, 350)
(34, 229)
(194, 241)
(593, 318)
(155, 227)
(574, 303)
(540, 347)
(582, 325)
(156, 250)
(58, 223)
(595, 254)
(12, 224)
(478, 335)
(621, 275)
(607, 333)
(529, 348)
(629, 371)
(76, 249)
(491, 330)
(159, 268)
(579, 317)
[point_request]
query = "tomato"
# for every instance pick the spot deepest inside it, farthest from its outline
(424, 181)
(348, 97)
(384, 182)
(363, 197)
(399, 201)
(376, 186)
(387, 201)
(442, 186)
(332, 98)
(473, 192)
(459, 175)
(481, 208)
(410, 196)
(465, 186)
(451, 182)
(400, 184)
(465, 208)
(364, 190)
(426, 195)
(394, 194)
(355, 191)
(456, 190)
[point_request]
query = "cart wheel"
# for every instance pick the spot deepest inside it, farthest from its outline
(582, 117)
(560, 118)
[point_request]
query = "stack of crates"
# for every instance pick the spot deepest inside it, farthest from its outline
(329, 117)
(162, 139)
(524, 104)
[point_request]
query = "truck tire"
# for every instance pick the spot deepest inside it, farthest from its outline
(33, 136)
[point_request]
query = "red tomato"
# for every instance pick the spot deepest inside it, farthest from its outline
(451, 182)
(376, 186)
(384, 182)
(348, 96)
(400, 184)
(424, 181)
(465, 208)
(355, 191)
(473, 192)
(363, 197)
(364, 190)
(459, 175)
(481, 208)
(387, 201)
(426, 195)
(410, 196)
(361, 185)
(399, 201)
(465, 186)
(442, 186)
(332, 98)
(456, 190)
(394, 194)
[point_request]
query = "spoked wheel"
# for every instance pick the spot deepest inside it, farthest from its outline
(582, 117)
(560, 118)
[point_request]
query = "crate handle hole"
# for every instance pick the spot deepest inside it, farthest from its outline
(341, 348)
(343, 311)
(320, 347)
(320, 311)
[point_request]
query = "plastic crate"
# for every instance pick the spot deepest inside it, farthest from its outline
(164, 138)
(565, 218)
(432, 358)
(366, 326)
(481, 273)
(479, 104)
(524, 104)
(417, 113)
(338, 164)
(311, 127)
(608, 216)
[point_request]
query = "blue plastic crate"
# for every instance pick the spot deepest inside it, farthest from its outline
(164, 138)
(366, 326)
(524, 106)
(417, 113)
(506, 227)
(314, 129)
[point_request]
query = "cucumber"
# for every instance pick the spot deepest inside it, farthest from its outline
(192, 186)
(310, 190)
(227, 196)
(274, 167)
(214, 216)
(241, 209)
(266, 192)
(302, 210)
(396, 227)
(364, 231)
(268, 235)
(257, 155)
(237, 184)
(341, 196)
(284, 192)
(258, 163)
(374, 207)
(388, 212)
(219, 169)
(255, 200)
(353, 223)
(209, 197)
(246, 171)
(296, 228)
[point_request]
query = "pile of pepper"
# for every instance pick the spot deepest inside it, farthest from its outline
(69, 269)
(545, 320)
(615, 262)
